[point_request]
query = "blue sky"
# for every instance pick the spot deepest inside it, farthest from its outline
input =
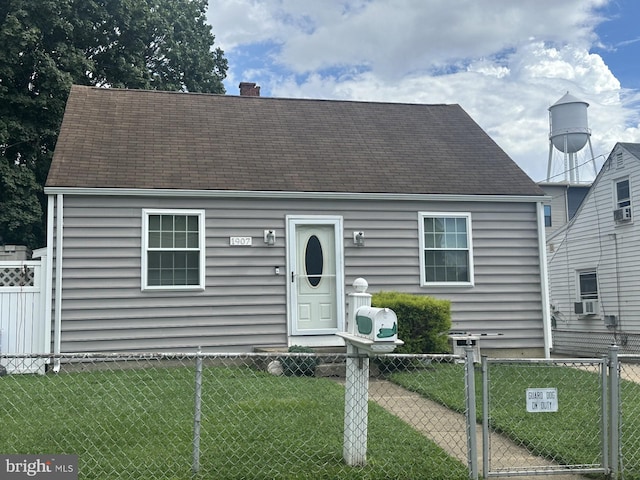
(620, 37)
(504, 61)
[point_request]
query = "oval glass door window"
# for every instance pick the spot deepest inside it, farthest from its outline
(313, 260)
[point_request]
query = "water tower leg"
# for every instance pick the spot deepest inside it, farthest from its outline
(550, 161)
(593, 160)
(568, 170)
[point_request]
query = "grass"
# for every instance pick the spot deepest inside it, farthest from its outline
(138, 424)
(572, 435)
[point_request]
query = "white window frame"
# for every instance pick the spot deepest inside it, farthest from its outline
(146, 213)
(547, 208)
(626, 202)
(423, 276)
(587, 296)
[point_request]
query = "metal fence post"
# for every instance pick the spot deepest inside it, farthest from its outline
(470, 387)
(485, 417)
(604, 385)
(614, 409)
(197, 415)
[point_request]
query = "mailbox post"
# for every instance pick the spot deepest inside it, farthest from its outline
(369, 331)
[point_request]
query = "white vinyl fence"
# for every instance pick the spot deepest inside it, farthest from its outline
(24, 328)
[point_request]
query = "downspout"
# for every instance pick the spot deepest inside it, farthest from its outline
(49, 271)
(618, 326)
(544, 281)
(58, 283)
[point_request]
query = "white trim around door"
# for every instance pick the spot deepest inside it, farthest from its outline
(315, 279)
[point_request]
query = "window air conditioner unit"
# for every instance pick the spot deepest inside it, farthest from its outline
(587, 307)
(622, 214)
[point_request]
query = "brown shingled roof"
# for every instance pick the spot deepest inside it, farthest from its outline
(114, 138)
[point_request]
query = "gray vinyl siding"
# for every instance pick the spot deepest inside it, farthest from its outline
(244, 303)
(593, 240)
(558, 203)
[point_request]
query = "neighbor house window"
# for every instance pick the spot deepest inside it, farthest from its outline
(623, 196)
(173, 249)
(588, 281)
(445, 248)
(547, 215)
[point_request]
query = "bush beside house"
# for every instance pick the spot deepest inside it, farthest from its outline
(423, 322)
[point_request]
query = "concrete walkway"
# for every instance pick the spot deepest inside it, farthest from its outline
(448, 430)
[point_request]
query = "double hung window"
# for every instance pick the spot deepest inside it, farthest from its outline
(173, 249)
(588, 281)
(446, 250)
(623, 196)
(547, 215)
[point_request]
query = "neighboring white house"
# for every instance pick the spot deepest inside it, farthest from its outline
(178, 221)
(594, 263)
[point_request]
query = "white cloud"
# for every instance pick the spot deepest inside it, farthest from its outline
(504, 62)
(241, 22)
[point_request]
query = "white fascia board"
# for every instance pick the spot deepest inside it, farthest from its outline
(281, 194)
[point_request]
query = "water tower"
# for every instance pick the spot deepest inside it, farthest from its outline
(569, 134)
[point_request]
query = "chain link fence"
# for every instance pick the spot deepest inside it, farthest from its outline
(245, 416)
(282, 415)
(629, 413)
(592, 343)
(551, 412)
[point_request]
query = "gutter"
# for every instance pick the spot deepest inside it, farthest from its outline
(163, 192)
(544, 282)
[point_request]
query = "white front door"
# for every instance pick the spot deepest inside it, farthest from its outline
(316, 276)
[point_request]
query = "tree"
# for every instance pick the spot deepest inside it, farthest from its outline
(48, 45)
(20, 214)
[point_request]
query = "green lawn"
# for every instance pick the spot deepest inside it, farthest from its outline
(138, 424)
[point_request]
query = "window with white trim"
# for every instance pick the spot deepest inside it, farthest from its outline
(173, 249)
(623, 193)
(587, 304)
(588, 283)
(446, 254)
(547, 215)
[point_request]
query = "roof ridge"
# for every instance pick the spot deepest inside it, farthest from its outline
(225, 95)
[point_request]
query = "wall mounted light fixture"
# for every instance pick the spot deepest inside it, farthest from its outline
(270, 237)
(358, 239)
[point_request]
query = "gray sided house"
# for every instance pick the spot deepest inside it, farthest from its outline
(179, 221)
(594, 263)
(563, 203)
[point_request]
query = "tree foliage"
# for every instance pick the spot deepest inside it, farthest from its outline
(48, 45)
(20, 214)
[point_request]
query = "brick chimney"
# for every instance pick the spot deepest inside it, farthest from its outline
(249, 89)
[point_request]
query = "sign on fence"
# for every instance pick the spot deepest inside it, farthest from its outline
(542, 400)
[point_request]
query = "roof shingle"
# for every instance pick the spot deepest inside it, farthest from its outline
(114, 138)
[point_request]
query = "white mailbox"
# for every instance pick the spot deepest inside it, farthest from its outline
(376, 324)
(369, 330)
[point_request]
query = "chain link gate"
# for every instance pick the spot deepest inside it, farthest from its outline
(545, 416)
(628, 461)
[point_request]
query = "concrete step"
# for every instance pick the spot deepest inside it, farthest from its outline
(329, 365)
(333, 369)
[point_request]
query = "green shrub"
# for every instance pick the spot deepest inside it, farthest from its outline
(423, 322)
(299, 365)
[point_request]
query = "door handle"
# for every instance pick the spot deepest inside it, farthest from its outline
(292, 277)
